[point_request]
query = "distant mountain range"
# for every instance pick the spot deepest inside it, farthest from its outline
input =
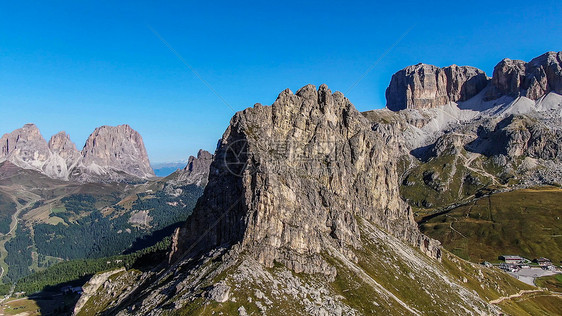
(164, 169)
(111, 154)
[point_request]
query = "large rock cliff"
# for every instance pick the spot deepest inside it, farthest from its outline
(25, 147)
(291, 178)
(113, 153)
(426, 86)
(533, 80)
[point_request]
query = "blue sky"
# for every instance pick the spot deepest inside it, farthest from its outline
(76, 65)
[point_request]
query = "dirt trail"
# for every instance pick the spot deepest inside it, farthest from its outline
(468, 161)
(521, 293)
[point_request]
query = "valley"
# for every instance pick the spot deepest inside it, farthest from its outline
(49, 222)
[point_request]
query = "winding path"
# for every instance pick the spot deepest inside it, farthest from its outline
(521, 293)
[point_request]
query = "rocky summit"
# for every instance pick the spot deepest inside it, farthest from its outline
(197, 169)
(309, 158)
(25, 147)
(111, 154)
(532, 80)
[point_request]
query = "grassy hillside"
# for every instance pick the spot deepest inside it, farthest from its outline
(551, 282)
(522, 222)
(445, 180)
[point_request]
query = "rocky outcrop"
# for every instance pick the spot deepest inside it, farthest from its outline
(427, 86)
(113, 153)
(532, 80)
(196, 171)
(110, 154)
(292, 179)
(92, 286)
(521, 135)
(64, 156)
(508, 77)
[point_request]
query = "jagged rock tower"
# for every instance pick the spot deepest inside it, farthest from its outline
(291, 178)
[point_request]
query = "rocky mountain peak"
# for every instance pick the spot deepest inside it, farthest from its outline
(61, 144)
(119, 148)
(197, 169)
(508, 78)
(199, 164)
(426, 86)
(24, 146)
(291, 180)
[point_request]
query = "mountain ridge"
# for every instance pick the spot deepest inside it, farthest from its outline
(111, 154)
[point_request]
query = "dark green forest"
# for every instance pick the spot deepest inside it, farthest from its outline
(19, 255)
(87, 234)
(7, 209)
(78, 271)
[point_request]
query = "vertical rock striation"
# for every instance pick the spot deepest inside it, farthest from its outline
(427, 86)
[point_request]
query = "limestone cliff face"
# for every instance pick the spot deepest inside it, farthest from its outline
(292, 178)
(111, 150)
(424, 86)
(427, 86)
(534, 79)
(508, 78)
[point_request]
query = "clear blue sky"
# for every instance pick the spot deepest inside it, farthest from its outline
(76, 65)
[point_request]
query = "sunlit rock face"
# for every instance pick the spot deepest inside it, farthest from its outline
(292, 179)
(426, 86)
